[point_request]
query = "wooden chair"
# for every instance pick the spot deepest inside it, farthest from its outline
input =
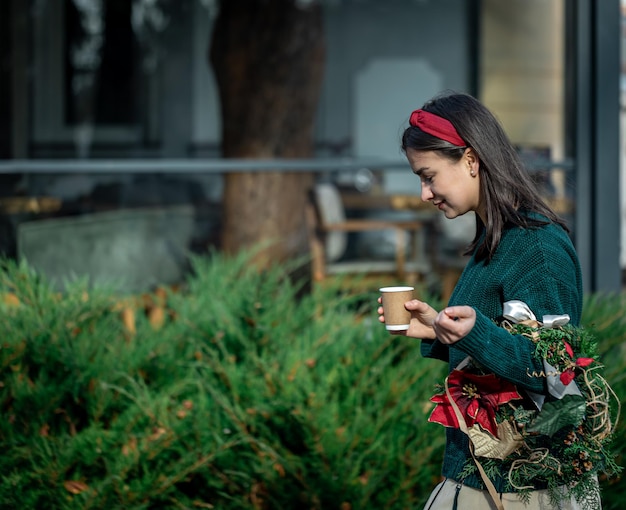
(328, 229)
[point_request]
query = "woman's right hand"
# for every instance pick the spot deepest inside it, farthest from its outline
(422, 317)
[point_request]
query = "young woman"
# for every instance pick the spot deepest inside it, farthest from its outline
(521, 251)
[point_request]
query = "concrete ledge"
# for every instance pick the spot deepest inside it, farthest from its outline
(132, 249)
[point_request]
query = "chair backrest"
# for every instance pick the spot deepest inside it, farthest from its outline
(331, 211)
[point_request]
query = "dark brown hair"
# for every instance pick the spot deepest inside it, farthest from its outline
(506, 188)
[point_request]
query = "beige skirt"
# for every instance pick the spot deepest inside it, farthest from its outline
(451, 495)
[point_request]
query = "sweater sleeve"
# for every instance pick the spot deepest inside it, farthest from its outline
(435, 349)
(545, 274)
(508, 356)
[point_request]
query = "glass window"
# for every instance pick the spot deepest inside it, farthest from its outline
(522, 80)
(99, 55)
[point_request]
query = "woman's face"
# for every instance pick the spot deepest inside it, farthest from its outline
(453, 187)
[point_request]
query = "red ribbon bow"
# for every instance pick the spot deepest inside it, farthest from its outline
(436, 126)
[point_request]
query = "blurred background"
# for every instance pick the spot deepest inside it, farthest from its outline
(133, 133)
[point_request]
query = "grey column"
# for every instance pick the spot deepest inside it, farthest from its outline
(594, 40)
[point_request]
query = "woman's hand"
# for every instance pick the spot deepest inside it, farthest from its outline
(422, 317)
(454, 323)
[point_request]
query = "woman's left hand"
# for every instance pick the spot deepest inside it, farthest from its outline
(454, 323)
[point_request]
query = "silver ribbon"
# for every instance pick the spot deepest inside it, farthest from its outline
(518, 311)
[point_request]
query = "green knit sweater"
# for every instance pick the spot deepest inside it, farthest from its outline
(538, 266)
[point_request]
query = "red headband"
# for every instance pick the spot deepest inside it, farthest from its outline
(436, 126)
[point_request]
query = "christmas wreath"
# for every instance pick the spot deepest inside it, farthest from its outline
(560, 441)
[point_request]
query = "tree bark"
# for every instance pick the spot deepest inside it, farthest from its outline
(268, 59)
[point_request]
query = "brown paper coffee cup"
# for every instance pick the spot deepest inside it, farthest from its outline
(397, 317)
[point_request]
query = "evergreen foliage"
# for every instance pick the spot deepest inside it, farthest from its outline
(237, 391)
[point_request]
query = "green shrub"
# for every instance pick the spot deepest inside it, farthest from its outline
(604, 316)
(250, 394)
(238, 391)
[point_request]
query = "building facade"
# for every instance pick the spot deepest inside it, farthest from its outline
(91, 81)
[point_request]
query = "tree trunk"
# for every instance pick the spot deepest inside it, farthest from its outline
(268, 59)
